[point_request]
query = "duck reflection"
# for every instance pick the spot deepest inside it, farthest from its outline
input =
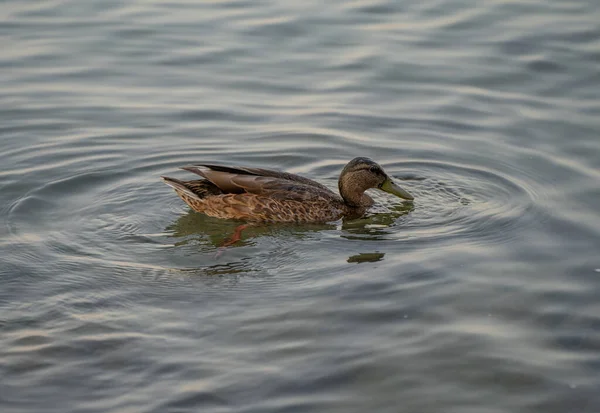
(217, 231)
(366, 257)
(212, 233)
(377, 225)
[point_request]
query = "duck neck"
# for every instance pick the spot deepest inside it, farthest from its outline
(353, 195)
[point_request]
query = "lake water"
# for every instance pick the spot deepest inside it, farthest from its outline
(482, 296)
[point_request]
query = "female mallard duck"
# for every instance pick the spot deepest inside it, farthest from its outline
(263, 195)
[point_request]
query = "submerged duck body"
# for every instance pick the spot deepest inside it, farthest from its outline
(264, 195)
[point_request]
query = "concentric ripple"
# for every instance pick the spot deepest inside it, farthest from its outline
(466, 203)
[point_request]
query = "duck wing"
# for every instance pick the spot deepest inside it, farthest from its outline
(265, 182)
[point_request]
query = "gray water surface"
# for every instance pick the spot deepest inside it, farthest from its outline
(482, 296)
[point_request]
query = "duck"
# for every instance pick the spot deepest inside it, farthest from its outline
(263, 195)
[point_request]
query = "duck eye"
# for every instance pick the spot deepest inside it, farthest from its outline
(374, 169)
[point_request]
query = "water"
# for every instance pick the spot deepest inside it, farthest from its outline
(480, 297)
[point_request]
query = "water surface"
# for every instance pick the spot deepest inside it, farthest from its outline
(482, 296)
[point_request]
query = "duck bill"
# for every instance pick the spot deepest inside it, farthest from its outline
(390, 187)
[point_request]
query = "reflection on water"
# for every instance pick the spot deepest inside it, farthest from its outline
(366, 257)
(214, 232)
(210, 233)
(377, 223)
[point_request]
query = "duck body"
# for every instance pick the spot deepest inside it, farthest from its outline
(264, 195)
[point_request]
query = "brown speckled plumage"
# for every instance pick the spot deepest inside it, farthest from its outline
(263, 195)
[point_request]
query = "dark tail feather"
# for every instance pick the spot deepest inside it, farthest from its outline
(196, 189)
